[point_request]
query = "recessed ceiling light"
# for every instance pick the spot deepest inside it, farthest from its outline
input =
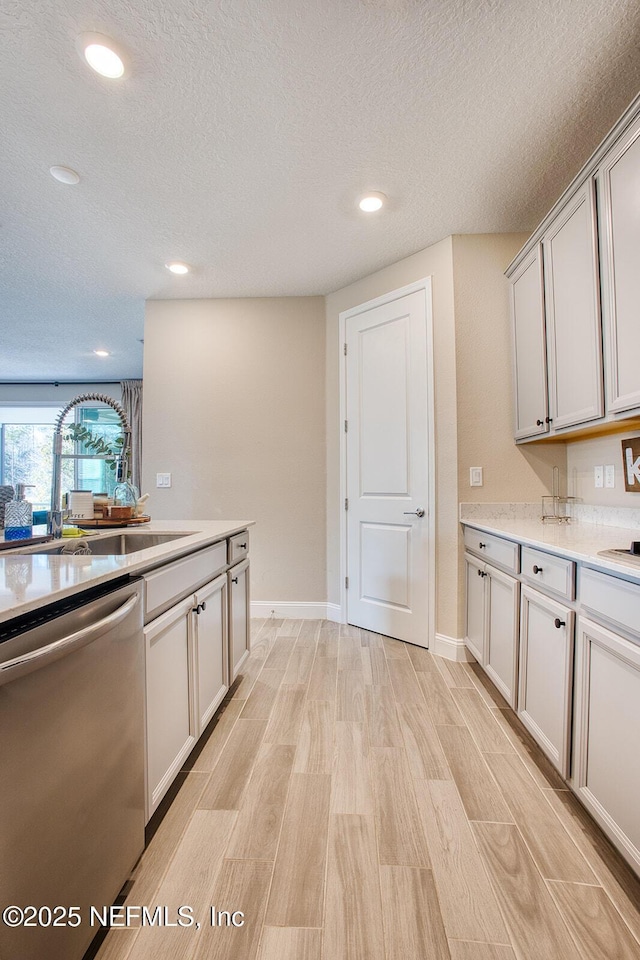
(102, 54)
(176, 267)
(64, 175)
(372, 202)
(102, 353)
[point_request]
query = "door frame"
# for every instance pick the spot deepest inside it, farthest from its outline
(426, 287)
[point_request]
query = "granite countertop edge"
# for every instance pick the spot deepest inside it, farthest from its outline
(578, 540)
(29, 581)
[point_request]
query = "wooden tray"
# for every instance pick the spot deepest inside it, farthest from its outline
(92, 524)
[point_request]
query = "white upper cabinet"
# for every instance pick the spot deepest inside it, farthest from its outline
(619, 198)
(572, 309)
(575, 291)
(530, 380)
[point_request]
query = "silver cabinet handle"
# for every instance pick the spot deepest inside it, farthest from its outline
(417, 513)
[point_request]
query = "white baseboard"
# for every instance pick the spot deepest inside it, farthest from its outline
(451, 649)
(297, 610)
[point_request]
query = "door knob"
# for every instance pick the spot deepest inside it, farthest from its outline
(417, 513)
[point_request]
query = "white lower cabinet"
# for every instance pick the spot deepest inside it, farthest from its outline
(170, 717)
(546, 674)
(476, 619)
(607, 720)
(186, 680)
(209, 626)
(492, 624)
(239, 622)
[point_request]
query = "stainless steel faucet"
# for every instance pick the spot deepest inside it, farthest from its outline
(55, 516)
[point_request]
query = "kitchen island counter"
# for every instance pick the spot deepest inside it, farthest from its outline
(30, 580)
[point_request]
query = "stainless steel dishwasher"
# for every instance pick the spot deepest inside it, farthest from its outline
(71, 767)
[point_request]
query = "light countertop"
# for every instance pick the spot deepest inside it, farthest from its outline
(29, 581)
(577, 540)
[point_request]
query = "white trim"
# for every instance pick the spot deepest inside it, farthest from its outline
(334, 613)
(426, 286)
(451, 649)
(296, 610)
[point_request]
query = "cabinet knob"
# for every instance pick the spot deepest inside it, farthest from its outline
(234, 579)
(548, 419)
(536, 568)
(203, 605)
(242, 546)
(481, 546)
(539, 423)
(559, 623)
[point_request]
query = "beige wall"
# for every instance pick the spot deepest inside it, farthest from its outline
(435, 262)
(584, 455)
(484, 374)
(234, 406)
(484, 371)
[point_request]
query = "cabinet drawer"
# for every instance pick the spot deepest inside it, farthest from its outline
(166, 586)
(613, 600)
(503, 553)
(548, 573)
(238, 547)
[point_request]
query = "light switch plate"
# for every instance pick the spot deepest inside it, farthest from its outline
(610, 476)
(163, 479)
(598, 476)
(475, 476)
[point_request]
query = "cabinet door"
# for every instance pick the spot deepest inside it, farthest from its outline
(572, 308)
(619, 188)
(239, 623)
(170, 719)
(607, 720)
(211, 643)
(546, 660)
(501, 643)
(475, 607)
(530, 360)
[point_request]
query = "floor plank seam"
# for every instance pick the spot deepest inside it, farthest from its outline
(612, 899)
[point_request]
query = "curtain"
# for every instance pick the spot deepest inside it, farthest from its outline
(132, 406)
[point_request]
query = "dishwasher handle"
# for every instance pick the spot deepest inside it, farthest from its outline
(36, 659)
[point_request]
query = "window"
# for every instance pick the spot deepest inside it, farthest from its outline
(26, 443)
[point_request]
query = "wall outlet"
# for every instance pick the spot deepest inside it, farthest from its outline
(610, 476)
(598, 476)
(475, 476)
(163, 479)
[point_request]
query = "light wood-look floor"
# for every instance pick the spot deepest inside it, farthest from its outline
(361, 799)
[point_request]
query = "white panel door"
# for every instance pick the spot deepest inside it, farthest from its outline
(387, 468)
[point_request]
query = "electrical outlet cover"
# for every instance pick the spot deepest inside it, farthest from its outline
(598, 476)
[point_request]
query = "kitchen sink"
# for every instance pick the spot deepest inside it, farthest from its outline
(622, 555)
(117, 544)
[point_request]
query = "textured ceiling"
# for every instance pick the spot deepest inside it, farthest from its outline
(245, 132)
